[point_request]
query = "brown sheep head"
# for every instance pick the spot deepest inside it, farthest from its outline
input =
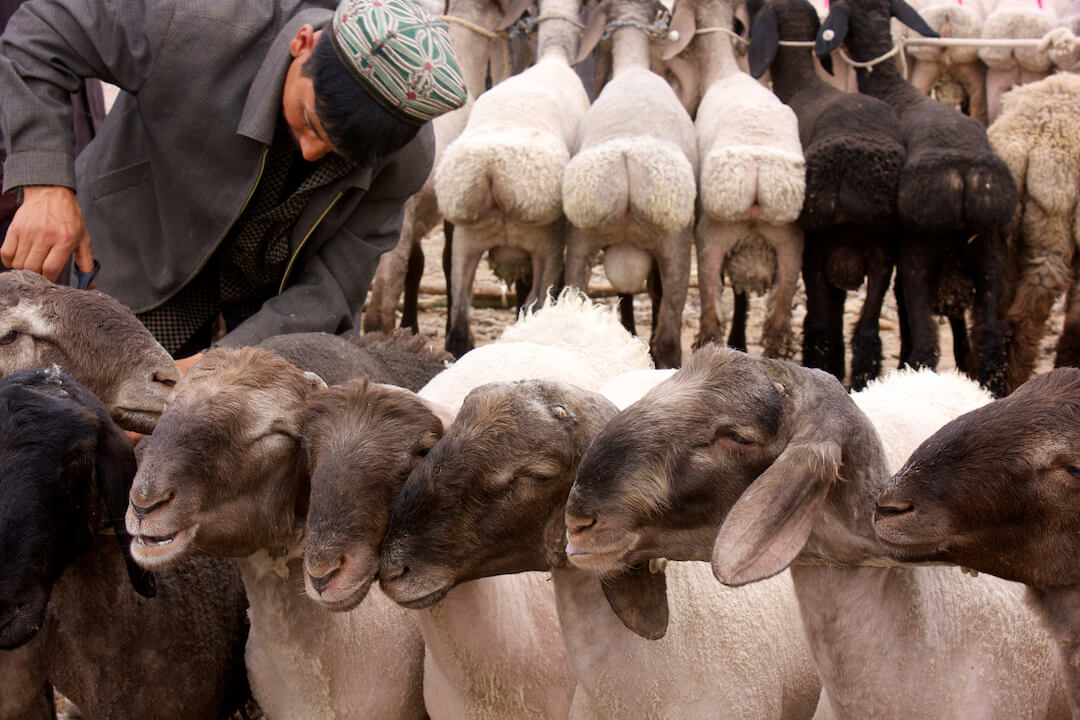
(92, 337)
(362, 441)
(224, 471)
(996, 489)
(751, 446)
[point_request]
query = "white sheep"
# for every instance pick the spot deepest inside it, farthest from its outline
(1038, 137)
(512, 449)
(793, 468)
(493, 647)
(752, 186)
(500, 181)
(1006, 67)
(629, 191)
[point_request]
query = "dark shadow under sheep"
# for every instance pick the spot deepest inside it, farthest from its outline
(854, 151)
(75, 612)
(954, 200)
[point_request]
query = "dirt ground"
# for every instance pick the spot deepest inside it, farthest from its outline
(491, 313)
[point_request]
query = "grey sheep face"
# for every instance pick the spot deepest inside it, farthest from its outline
(223, 472)
(488, 498)
(63, 461)
(753, 447)
(92, 337)
(996, 489)
(362, 441)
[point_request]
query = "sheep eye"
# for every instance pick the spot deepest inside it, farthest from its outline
(422, 452)
(1073, 470)
(9, 338)
(731, 435)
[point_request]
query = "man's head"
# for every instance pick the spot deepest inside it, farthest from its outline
(365, 85)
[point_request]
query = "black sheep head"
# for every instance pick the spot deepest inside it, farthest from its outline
(870, 21)
(65, 466)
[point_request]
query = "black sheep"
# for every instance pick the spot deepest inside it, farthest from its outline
(854, 151)
(954, 200)
(70, 613)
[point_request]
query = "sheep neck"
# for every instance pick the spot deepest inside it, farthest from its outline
(716, 54)
(868, 38)
(793, 73)
(629, 50)
(557, 34)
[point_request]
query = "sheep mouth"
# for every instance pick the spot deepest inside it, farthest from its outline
(425, 601)
(350, 599)
(136, 420)
(157, 550)
(601, 559)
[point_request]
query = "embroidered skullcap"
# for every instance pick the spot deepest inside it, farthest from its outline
(401, 55)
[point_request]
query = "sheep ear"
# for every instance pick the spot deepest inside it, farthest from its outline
(639, 599)
(764, 41)
(684, 24)
(832, 32)
(911, 17)
(515, 11)
(594, 30)
(115, 469)
(313, 381)
(770, 523)
(826, 62)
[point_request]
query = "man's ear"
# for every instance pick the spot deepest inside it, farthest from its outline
(303, 41)
(639, 599)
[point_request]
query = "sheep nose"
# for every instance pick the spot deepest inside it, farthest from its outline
(392, 572)
(322, 581)
(141, 511)
(575, 525)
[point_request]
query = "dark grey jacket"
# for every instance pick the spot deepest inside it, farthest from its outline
(177, 157)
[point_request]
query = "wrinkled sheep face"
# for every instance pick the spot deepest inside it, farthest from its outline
(997, 489)
(362, 441)
(44, 495)
(80, 331)
(658, 480)
(219, 474)
(480, 502)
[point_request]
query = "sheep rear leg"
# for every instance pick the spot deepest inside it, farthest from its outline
(737, 334)
(1068, 346)
(386, 288)
(914, 269)
(674, 264)
(447, 267)
(787, 243)
(547, 266)
(866, 338)
(961, 347)
(626, 312)
(713, 243)
(823, 326)
(464, 261)
(988, 328)
(414, 273)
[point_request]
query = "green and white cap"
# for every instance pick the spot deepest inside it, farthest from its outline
(401, 54)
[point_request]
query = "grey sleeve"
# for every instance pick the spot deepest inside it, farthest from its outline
(47, 50)
(327, 294)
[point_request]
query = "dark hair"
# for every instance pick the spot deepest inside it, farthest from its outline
(356, 124)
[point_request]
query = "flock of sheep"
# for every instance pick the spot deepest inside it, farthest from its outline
(547, 516)
(842, 188)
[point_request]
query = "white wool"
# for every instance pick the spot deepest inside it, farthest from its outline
(907, 406)
(572, 339)
(648, 177)
(750, 152)
(736, 653)
(627, 388)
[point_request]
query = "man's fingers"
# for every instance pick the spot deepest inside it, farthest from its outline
(84, 257)
(54, 263)
(7, 250)
(34, 259)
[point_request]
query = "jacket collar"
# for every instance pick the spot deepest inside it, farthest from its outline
(263, 105)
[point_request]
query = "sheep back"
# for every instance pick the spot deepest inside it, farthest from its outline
(1038, 137)
(1016, 22)
(750, 152)
(949, 19)
(638, 155)
(852, 173)
(516, 143)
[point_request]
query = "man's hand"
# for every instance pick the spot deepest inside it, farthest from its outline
(46, 229)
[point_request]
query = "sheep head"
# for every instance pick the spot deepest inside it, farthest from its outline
(224, 470)
(487, 499)
(92, 337)
(864, 26)
(996, 488)
(362, 440)
(67, 468)
(748, 445)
